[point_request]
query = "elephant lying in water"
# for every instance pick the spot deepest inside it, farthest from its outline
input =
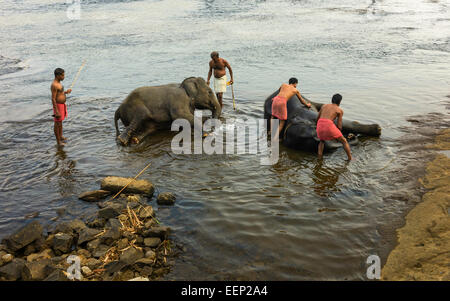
(300, 129)
(147, 109)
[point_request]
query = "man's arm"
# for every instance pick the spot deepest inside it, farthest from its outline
(55, 107)
(302, 100)
(318, 115)
(230, 70)
(340, 114)
(209, 73)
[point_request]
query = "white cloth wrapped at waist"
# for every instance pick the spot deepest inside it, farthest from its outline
(220, 84)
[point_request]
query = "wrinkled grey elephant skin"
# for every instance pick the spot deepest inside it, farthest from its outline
(148, 109)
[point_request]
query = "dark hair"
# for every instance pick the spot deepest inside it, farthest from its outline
(336, 99)
(293, 80)
(59, 71)
(214, 53)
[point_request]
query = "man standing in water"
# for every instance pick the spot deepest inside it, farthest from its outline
(279, 104)
(59, 105)
(327, 130)
(220, 77)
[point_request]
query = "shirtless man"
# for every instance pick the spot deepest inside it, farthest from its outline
(279, 104)
(220, 77)
(59, 104)
(327, 130)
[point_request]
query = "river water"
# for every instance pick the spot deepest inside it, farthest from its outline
(296, 220)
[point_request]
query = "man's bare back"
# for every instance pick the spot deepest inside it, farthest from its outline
(287, 91)
(331, 111)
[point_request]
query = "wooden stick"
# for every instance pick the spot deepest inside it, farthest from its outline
(78, 74)
(232, 93)
(131, 181)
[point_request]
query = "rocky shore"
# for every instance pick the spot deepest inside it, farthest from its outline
(122, 241)
(423, 246)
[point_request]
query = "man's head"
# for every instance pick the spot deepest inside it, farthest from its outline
(336, 99)
(293, 81)
(214, 55)
(59, 73)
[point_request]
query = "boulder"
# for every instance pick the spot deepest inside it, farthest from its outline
(94, 196)
(7, 258)
(131, 255)
(150, 255)
(13, 270)
(110, 236)
(152, 242)
(77, 225)
(57, 275)
(135, 198)
(115, 184)
(62, 242)
(93, 244)
(86, 271)
(87, 234)
(111, 211)
(62, 228)
(92, 263)
(166, 198)
(97, 223)
(114, 267)
(84, 253)
(113, 223)
(100, 251)
(46, 254)
(24, 236)
(157, 231)
(122, 244)
(146, 212)
(37, 270)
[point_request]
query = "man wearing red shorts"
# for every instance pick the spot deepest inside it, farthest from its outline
(59, 104)
(327, 130)
(279, 103)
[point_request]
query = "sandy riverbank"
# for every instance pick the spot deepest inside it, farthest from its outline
(423, 250)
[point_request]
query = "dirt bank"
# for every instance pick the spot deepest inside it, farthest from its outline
(423, 250)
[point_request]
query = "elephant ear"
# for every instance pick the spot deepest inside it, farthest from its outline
(190, 86)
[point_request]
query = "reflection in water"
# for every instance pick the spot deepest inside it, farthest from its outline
(66, 180)
(326, 178)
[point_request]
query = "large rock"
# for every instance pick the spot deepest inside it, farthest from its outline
(146, 212)
(166, 198)
(110, 236)
(37, 270)
(57, 275)
(157, 231)
(24, 236)
(94, 196)
(100, 251)
(77, 225)
(13, 270)
(87, 235)
(131, 255)
(62, 242)
(46, 254)
(152, 242)
(111, 211)
(115, 184)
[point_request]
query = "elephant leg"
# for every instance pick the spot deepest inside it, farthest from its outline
(124, 138)
(148, 129)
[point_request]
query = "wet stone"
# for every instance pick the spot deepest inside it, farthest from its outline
(166, 198)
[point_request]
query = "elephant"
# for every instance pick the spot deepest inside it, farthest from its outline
(151, 108)
(299, 131)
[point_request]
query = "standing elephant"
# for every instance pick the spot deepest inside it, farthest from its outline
(147, 109)
(299, 131)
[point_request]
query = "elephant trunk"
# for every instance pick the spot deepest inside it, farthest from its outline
(359, 128)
